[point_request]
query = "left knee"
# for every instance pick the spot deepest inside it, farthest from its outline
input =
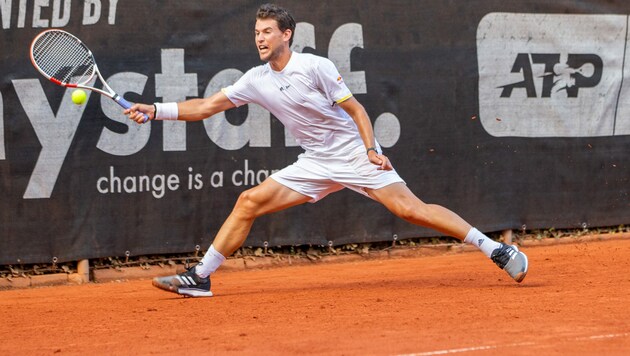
(415, 213)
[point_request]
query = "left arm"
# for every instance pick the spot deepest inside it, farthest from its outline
(362, 120)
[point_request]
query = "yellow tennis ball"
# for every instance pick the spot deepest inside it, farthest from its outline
(79, 96)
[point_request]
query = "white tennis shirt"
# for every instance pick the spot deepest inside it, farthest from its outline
(303, 96)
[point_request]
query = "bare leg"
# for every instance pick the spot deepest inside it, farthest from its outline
(268, 197)
(399, 199)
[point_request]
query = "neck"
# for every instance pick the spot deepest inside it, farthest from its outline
(279, 63)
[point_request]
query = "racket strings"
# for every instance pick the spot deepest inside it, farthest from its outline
(63, 58)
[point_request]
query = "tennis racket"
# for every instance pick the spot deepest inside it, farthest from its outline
(66, 61)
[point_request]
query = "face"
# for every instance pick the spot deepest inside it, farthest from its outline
(270, 41)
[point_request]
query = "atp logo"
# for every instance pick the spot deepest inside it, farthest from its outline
(553, 75)
(576, 72)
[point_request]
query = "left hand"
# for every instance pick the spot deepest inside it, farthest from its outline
(380, 160)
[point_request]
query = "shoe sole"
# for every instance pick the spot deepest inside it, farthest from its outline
(521, 275)
(195, 293)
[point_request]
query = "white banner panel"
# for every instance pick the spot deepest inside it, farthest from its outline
(550, 75)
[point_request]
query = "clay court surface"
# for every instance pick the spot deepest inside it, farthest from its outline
(575, 300)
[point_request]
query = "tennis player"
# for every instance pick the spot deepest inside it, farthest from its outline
(308, 95)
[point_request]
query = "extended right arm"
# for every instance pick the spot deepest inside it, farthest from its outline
(189, 110)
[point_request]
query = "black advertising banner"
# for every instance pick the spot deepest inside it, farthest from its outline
(513, 114)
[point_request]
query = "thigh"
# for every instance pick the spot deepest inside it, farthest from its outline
(394, 196)
(270, 196)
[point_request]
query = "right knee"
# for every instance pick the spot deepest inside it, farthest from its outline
(248, 205)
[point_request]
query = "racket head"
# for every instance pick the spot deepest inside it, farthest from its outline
(62, 58)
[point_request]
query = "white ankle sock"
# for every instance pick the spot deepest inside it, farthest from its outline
(483, 242)
(209, 263)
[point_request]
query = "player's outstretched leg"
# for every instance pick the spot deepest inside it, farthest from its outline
(511, 260)
(403, 203)
(187, 283)
(263, 199)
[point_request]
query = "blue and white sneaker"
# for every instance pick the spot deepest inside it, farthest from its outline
(511, 260)
(187, 283)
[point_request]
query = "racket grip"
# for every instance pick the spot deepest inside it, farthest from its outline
(125, 104)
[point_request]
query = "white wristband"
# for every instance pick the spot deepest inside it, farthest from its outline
(166, 111)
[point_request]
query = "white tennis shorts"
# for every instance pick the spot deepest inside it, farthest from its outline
(317, 177)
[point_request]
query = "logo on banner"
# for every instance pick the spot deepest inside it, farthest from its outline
(549, 75)
(578, 71)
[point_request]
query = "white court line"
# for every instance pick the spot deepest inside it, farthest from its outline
(481, 348)
(468, 349)
(609, 336)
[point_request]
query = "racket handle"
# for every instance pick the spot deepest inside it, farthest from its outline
(125, 104)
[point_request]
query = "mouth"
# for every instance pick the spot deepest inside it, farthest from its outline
(262, 49)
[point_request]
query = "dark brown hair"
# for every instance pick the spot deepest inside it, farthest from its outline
(282, 16)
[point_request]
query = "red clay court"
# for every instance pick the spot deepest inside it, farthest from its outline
(574, 301)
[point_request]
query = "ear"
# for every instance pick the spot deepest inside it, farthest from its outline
(286, 35)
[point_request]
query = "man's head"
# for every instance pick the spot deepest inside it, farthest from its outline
(274, 35)
(283, 18)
